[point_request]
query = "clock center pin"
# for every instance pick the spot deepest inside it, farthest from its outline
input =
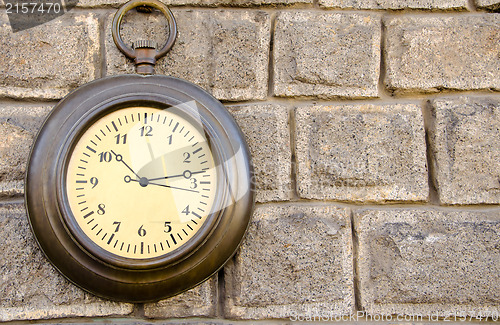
(143, 181)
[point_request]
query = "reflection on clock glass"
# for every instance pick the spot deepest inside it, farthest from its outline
(141, 181)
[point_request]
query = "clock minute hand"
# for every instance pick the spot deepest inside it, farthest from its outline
(120, 159)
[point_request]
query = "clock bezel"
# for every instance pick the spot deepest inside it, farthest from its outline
(186, 248)
(123, 280)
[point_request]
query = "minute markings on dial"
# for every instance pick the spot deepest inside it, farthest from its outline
(88, 214)
(175, 127)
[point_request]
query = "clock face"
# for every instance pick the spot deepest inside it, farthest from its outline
(141, 181)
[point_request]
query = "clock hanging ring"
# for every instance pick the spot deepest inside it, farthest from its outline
(139, 187)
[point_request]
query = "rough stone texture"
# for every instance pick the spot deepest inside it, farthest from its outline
(465, 149)
(327, 55)
(18, 127)
(292, 259)
(203, 3)
(268, 137)
(415, 257)
(361, 153)
(49, 60)
(488, 4)
(196, 302)
(394, 4)
(226, 52)
(429, 54)
(414, 261)
(30, 287)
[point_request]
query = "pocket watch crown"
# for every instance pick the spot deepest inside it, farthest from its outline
(145, 44)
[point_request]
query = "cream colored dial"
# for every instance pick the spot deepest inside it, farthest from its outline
(141, 181)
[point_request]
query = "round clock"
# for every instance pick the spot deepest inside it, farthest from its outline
(139, 187)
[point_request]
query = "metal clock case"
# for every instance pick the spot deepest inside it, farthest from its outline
(119, 213)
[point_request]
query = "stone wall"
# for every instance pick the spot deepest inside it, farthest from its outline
(374, 127)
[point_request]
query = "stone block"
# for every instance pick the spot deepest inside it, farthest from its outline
(395, 4)
(49, 60)
(200, 301)
(31, 288)
(327, 55)
(429, 262)
(292, 260)
(18, 128)
(431, 54)
(363, 153)
(266, 130)
(465, 149)
(201, 3)
(488, 4)
(226, 52)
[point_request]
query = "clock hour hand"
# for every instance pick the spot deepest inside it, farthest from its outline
(143, 181)
(120, 159)
(186, 174)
